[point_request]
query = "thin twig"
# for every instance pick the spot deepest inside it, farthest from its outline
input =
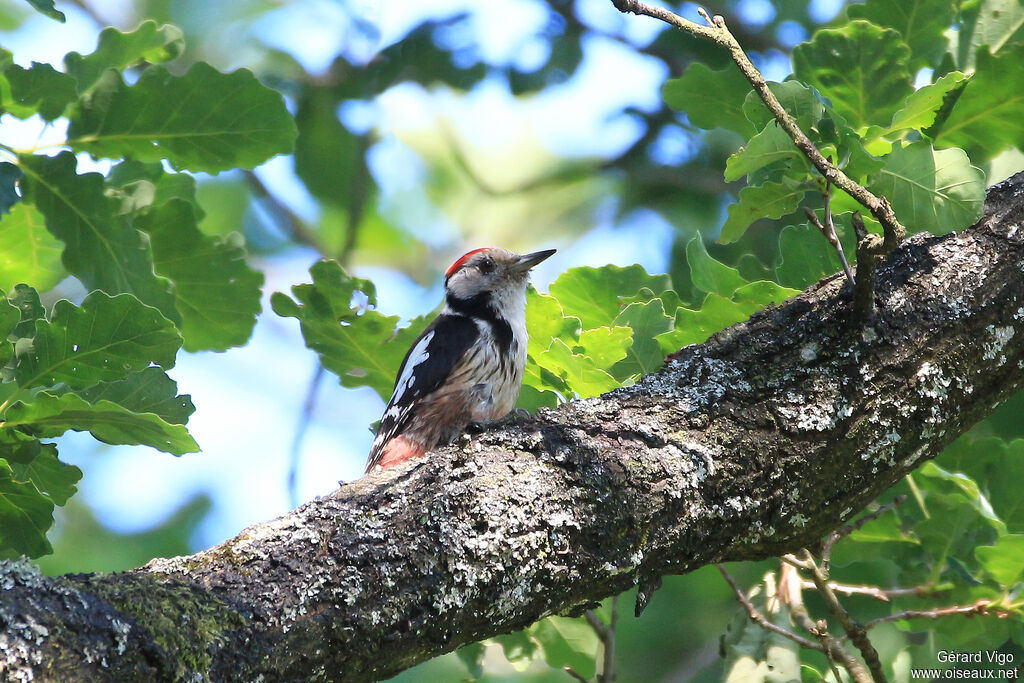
(718, 33)
(982, 608)
(832, 647)
(847, 529)
(883, 594)
(828, 229)
(761, 620)
(572, 672)
(606, 634)
(855, 631)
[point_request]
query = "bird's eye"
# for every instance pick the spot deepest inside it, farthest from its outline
(486, 265)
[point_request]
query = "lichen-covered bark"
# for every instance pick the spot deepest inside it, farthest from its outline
(752, 444)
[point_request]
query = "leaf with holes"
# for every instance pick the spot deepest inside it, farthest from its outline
(105, 339)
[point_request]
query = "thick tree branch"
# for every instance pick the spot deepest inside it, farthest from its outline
(756, 443)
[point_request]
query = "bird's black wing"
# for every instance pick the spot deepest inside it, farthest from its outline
(426, 366)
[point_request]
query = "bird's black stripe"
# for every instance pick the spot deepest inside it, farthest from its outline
(479, 306)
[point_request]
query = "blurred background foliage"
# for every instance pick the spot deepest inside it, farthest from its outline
(427, 128)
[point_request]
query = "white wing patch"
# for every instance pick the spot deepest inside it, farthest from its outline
(418, 355)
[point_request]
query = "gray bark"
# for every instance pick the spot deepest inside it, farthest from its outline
(754, 443)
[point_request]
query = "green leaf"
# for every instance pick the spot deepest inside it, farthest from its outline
(710, 98)
(28, 252)
(219, 121)
(647, 320)
(9, 177)
(328, 158)
(860, 67)
(1004, 560)
(149, 43)
(921, 23)
(709, 275)
(40, 89)
(593, 294)
(606, 345)
(988, 118)
(806, 256)
(25, 516)
(997, 25)
(768, 147)
(718, 312)
(937, 191)
(546, 321)
(138, 186)
(567, 642)
(105, 339)
(579, 373)
(472, 656)
(49, 415)
(49, 475)
(968, 491)
(919, 111)
(148, 391)
(17, 447)
(799, 101)
(217, 293)
(771, 200)
(26, 300)
(102, 250)
(359, 345)
(519, 648)
(46, 7)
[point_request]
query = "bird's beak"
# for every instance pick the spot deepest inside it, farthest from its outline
(528, 261)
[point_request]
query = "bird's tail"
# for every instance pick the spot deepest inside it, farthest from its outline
(396, 451)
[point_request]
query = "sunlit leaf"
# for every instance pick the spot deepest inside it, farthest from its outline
(647, 321)
(797, 99)
(28, 252)
(214, 122)
(921, 108)
(593, 294)
(149, 43)
(578, 372)
(768, 147)
(546, 321)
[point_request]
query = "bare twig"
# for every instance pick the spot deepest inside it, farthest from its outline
(832, 647)
(855, 631)
(847, 529)
(574, 674)
(606, 634)
(883, 594)
(761, 620)
(718, 33)
(828, 229)
(982, 608)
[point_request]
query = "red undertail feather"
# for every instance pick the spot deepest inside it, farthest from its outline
(399, 450)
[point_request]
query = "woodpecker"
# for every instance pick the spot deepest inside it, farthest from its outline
(467, 365)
